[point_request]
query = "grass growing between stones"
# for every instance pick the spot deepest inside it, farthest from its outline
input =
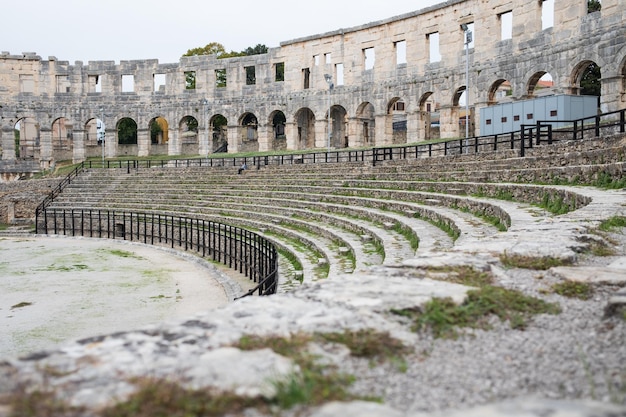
(317, 384)
(572, 289)
(612, 224)
(542, 263)
(555, 204)
(443, 317)
(314, 384)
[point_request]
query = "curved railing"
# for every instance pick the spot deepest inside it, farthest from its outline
(239, 249)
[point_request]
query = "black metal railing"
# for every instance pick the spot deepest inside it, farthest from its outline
(59, 188)
(239, 249)
(527, 137)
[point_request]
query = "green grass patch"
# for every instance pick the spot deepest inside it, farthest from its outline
(541, 263)
(572, 289)
(555, 204)
(606, 181)
(408, 234)
(157, 397)
(613, 224)
(443, 317)
(120, 253)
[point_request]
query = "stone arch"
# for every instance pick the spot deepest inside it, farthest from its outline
(278, 121)
(540, 83)
(396, 120)
(499, 91)
(586, 78)
(62, 139)
(305, 125)
(429, 126)
(248, 132)
(27, 133)
(188, 135)
(365, 129)
(461, 113)
(159, 130)
(126, 129)
(219, 132)
(339, 132)
(93, 137)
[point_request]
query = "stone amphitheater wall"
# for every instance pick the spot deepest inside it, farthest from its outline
(397, 80)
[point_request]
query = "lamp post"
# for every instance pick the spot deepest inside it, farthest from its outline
(205, 109)
(468, 40)
(329, 80)
(103, 132)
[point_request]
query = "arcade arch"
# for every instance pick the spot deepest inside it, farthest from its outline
(305, 124)
(219, 130)
(159, 131)
(249, 132)
(365, 130)
(278, 137)
(540, 83)
(27, 138)
(501, 90)
(338, 136)
(62, 139)
(428, 116)
(126, 131)
(396, 122)
(188, 134)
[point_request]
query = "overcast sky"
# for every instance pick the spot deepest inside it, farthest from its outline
(80, 30)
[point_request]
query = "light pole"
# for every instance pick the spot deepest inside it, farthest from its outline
(103, 132)
(329, 80)
(468, 40)
(205, 109)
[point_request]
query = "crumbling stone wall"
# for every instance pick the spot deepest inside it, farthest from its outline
(19, 199)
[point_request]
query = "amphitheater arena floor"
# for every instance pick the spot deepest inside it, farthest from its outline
(54, 289)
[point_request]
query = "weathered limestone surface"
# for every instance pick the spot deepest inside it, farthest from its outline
(554, 367)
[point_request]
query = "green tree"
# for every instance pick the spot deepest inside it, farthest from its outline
(591, 84)
(593, 6)
(127, 132)
(213, 48)
(257, 50)
(216, 48)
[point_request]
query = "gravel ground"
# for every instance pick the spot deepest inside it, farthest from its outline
(572, 355)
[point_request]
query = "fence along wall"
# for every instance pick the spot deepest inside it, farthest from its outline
(381, 94)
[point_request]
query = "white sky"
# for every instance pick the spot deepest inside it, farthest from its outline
(80, 30)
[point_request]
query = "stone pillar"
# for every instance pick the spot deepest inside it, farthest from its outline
(613, 94)
(174, 145)
(110, 142)
(355, 132)
(143, 142)
(7, 139)
(265, 136)
(78, 139)
(384, 132)
(233, 139)
(449, 122)
(423, 122)
(45, 146)
(291, 132)
(205, 136)
(412, 127)
(321, 133)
